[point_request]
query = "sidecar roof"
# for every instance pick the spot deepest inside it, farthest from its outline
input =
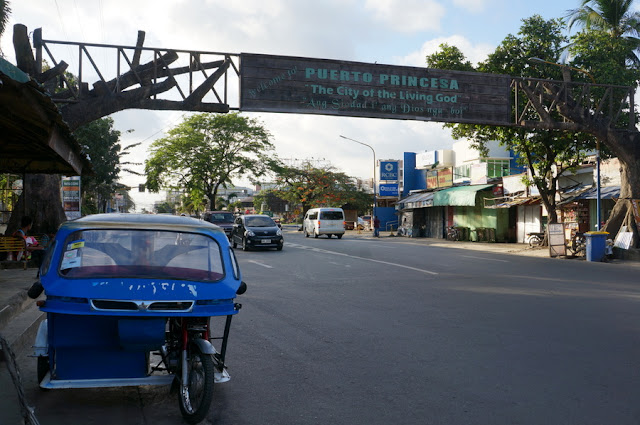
(141, 221)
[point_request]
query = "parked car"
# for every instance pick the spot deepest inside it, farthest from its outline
(223, 219)
(361, 223)
(256, 231)
(367, 221)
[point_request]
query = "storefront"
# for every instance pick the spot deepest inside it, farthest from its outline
(580, 213)
(465, 209)
(419, 218)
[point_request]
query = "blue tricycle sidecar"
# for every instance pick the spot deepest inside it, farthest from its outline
(129, 300)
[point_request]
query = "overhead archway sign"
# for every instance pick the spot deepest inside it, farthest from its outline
(331, 87)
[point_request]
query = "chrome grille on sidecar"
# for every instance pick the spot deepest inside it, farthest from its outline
(115, 305)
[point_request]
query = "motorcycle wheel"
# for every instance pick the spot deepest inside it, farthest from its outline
(196, 398)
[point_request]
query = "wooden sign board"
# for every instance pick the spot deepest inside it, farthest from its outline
(557, 242)
(330, 87)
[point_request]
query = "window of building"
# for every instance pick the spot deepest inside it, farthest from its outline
(497, 167)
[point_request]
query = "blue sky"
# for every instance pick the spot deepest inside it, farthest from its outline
(397, 32)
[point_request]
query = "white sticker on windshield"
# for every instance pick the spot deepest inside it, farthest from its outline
(71, 260)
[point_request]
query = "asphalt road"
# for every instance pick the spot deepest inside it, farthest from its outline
(365, 331)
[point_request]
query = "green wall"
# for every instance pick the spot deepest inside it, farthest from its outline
(478, 216)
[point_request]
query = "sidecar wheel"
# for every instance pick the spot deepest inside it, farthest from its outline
(195, 400)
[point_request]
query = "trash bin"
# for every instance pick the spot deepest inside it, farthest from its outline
(596, 245)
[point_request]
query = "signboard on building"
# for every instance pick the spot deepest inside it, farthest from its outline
(432, 179)
(330, 87)
(426, 159)
(479, 173)
(389, 189)
(71, 197)
(440, 178)
(389, 170)
(445, 177)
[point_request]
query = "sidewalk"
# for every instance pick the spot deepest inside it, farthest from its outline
(19, 316)
(505, 248)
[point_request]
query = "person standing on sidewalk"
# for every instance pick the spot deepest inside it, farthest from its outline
(376, 227)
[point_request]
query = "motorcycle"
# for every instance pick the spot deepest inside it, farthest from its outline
(130, 300)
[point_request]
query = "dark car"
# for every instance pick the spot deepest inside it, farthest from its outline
(223, 219)
(256, 231)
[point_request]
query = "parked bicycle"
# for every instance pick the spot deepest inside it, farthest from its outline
(453, 234)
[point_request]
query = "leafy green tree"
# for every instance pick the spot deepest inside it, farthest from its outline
(311, 187)
(206, 151)
(449, 57)
(164, 208)
(100, 142)
(545, 153)
(608, 49)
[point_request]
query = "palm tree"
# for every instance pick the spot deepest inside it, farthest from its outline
(5, 10)
(612, 16)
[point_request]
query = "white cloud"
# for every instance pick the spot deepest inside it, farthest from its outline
(473, 52)
(474, 6)
(408, 15)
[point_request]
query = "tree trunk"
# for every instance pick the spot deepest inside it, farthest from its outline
(39, 200)
(626, 146)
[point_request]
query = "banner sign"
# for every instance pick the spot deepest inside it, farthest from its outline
(388, 189)
(426, 159)
(389, 170)
(445, 177)
(440, 178)
(331, 87)
(71, 197)
(432, 179)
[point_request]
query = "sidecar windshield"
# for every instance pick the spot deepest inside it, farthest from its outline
(141, 253)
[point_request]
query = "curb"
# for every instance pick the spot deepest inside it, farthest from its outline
(20, 323)
(15, 305)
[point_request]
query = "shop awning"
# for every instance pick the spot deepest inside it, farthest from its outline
(459, 196)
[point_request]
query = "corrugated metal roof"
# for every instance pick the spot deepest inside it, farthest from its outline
(460, 196)
(608, 192)
(508, 202)
(417, 200)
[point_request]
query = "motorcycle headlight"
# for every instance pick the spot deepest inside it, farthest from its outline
(249, 233)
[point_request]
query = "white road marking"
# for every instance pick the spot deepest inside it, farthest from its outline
(324, 251)
(260, 264)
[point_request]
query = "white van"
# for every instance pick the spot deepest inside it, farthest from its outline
(323, 221)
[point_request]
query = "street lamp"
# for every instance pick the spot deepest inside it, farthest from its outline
(374, 175)
(565, 75)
